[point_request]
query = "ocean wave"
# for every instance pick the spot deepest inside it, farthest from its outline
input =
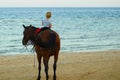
(80, 29)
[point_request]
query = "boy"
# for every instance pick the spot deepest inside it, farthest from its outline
(45, 23)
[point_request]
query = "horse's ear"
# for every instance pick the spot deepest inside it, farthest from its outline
(24, 26)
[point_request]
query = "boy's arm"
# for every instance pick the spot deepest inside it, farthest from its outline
(42, 23)
(50, 25)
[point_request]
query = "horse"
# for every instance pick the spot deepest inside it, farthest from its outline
(46, 44)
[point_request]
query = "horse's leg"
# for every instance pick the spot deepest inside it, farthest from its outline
(39, 67)
(45, 61)
(55, 66)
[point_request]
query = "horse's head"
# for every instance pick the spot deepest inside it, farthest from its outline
(28, 34)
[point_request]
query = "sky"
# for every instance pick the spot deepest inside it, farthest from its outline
(59, 3)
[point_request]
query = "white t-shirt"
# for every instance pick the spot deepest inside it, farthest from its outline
(46, 23)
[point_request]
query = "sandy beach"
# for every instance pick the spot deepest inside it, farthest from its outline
(103, 65)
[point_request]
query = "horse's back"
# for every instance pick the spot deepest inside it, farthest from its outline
(45, 35)
(49, 38)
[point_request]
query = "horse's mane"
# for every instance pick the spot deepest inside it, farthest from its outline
(32, 27)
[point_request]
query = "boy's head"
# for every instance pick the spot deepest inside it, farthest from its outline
(48, 14)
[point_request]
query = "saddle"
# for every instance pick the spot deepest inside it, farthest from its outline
(38, 30)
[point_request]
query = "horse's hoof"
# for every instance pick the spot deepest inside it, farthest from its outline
(54, 77)
(38, 78)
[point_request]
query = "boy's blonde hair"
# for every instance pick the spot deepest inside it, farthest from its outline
(48, 14)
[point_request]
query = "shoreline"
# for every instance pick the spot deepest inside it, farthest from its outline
(98, 65)
(61, 52)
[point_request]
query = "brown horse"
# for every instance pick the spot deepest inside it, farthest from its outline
(46, 44)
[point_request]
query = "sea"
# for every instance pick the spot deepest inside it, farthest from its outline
(81, 29)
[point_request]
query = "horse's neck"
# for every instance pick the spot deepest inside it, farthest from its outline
(33, 35)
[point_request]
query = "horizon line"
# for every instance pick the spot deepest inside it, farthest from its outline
(59, 6)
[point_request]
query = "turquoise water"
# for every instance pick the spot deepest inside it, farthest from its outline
(80, 29)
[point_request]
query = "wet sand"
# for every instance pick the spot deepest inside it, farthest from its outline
(103, 65)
